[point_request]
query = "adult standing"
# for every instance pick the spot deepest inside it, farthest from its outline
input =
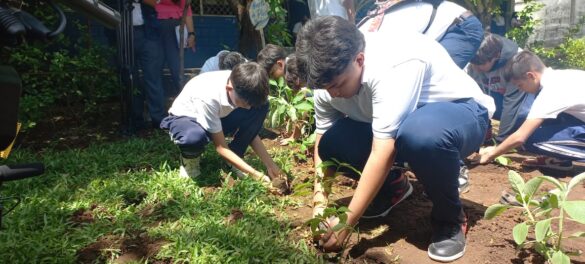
(169, 14)
(147, 56)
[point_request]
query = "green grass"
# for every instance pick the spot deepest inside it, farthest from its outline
(132, 189)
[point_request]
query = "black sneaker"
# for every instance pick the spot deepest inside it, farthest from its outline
(448, 241)
(398, 190)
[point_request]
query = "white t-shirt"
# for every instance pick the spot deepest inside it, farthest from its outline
(205, 99)
(327, 8)
(415, 17)
(212, 64)
(399, 76)
(137, 19)
(561, 92)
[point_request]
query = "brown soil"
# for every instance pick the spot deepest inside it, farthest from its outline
(403, 235)
(130, 248)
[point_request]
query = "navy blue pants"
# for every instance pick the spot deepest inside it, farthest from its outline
(563, 138)
(191, 138)
(432, 139)
(462, 40)
(148, 58)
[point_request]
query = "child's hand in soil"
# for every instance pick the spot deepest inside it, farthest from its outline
(486, 155)
(331, 241)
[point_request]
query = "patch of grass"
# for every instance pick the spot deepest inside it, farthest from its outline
(131, 189)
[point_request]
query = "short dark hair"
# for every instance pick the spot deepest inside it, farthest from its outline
(327, 45)
(269, 55)
(490, 48)
(230, 60)
(522, 63)
(250, 81)
(295, 71)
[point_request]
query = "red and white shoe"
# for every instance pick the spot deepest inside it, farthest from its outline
(548, 163)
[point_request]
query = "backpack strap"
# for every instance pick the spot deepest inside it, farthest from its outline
(384, 7)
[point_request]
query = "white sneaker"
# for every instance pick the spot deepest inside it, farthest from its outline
(189, 168)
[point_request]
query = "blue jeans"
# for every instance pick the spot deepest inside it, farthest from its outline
(170, 51)
(191, 138)
(147, 57)
(432, 139)
(562, 138)
(462, 40)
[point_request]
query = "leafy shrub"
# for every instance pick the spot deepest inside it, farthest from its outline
(277, 30)
(61, 73)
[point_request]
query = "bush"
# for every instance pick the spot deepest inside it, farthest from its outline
(61, 73)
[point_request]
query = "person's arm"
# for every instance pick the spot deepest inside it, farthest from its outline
(350, 8)
(320, 194)
(190, 28)
(516, 139)
(150, 2)
(226, 153)
(260, 150)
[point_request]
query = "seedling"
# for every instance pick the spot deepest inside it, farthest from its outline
(540, 212)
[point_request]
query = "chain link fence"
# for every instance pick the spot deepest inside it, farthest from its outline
(213, 7)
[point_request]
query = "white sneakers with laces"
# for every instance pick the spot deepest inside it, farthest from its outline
(189, 168)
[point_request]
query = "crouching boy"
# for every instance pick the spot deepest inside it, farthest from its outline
(204, 111)
(555, 126)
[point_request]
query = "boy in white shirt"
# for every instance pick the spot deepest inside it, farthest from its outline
(555, 126)
(400, 99)
(204, 111)
(457, 29)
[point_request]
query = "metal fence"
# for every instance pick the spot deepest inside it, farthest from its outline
(213, 7)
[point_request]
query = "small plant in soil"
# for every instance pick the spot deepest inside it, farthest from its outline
(540, 213)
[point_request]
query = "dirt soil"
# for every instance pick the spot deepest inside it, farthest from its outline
(400, 237)
(404, 234)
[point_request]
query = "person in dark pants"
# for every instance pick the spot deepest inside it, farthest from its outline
(457, 29)
(205, 111)
(147, 57)
(555, 125)
(169, 13)
(487, 69)
(412, 102)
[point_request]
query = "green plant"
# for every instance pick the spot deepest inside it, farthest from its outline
(61, 73)
(528, 24)
(277, 31)
(539, 213)
(291, 109)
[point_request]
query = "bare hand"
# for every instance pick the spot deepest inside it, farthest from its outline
(331, 241)
(486, 155)
(191, 42)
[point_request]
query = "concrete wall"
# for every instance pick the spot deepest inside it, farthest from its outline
(556, 18)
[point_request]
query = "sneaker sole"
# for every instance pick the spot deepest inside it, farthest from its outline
(385, 213)
(447, 259)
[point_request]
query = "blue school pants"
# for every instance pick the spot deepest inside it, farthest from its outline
(462, 40)
(191, 138)
(562, 138)
(432, 139)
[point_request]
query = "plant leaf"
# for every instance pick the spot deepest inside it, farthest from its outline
(541, 229)
(505, 161)
(576, 210)
(577, 234)
(520, 232)
(516, 181)
(495, 210)
(553, 181)
(576, 180)
(560, 258)
(530, 188)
